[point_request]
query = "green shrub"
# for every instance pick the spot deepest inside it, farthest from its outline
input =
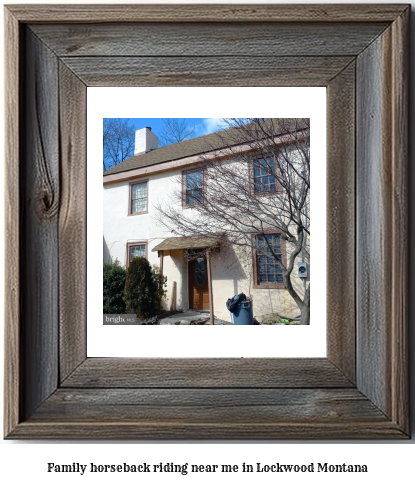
(140, 291)
(160, 281)
(114, 284)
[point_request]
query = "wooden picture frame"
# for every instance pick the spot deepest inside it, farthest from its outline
(360, 53)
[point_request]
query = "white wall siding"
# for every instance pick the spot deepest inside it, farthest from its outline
(231, 268)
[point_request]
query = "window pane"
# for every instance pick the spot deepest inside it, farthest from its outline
(194, 180)
(194, 187)
(139, 198)
(137, 251)
(264, 179)
(140, 190)
(277, 244)
(269, 266)
(139, 205)
(194, 196)
(198, 195)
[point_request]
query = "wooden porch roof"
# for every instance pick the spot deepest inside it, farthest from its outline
(191, 242)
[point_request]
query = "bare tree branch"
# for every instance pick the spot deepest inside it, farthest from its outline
(258, 182)
(175, 130)
(118, 141)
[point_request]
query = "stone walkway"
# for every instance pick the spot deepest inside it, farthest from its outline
(185, 318)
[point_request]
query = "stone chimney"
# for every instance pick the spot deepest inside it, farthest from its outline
(145, 141)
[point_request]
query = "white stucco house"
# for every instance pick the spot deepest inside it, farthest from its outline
(132, 189)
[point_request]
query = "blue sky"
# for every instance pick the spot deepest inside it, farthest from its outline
(202, 126)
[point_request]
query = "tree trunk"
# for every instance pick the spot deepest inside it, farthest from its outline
(305, 315)
(305, 308)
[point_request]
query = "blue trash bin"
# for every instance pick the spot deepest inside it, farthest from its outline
(243, 314)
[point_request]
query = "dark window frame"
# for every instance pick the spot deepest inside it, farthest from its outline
(255, 260)
(278, 187)
(133, 244)
(184, 181)
(130, 202)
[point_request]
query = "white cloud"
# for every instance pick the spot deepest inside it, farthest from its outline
(210, 125)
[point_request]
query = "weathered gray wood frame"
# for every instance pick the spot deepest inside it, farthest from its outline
(359, 52)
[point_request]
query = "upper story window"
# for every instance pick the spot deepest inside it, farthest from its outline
(264, 176)
(193, 187)
(138, 197)
(269, 253)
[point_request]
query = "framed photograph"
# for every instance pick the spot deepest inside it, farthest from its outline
(241, 168)
(56, 56)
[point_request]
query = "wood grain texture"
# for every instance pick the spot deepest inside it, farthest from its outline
(253, 430)
(341, 236)
(13, 383)
(207, 71)
(206, 13)
(373, 222)
(198, 39)
(382, 223)
(40, 205)
(206, 373)
(72, 222)
(399, 225)
(209, 405)
(58, 394)
(149, 430)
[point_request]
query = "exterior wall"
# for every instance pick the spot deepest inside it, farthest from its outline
(232, 273)
(175, 268)
(120, 228)
(232, 270)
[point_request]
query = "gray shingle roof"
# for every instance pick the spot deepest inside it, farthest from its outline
(184, 149)
(191, 242)
(197, 145)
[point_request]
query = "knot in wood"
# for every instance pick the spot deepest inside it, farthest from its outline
(46, 205)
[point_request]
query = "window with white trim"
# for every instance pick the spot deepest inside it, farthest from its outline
(138, 197)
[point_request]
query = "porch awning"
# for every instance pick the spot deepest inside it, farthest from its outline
(192, 242)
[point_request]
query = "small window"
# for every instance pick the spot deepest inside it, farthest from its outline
(193, 187)
(136, 250)
(138, 197)
(268, 256)
(264, 176)
(270, 270)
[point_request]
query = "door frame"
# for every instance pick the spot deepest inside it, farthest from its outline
(188, 283)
